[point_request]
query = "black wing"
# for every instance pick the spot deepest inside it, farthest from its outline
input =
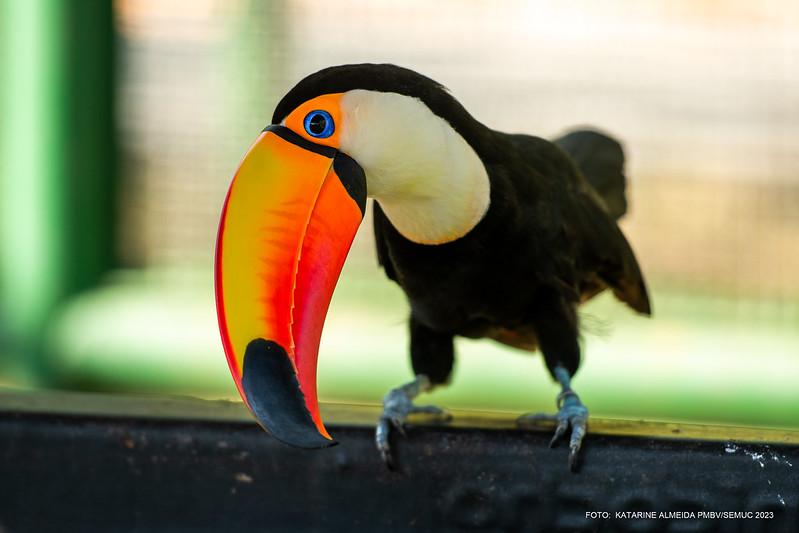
(604, 258)
(607, 256)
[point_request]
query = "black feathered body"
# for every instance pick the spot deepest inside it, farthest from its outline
(548, 241)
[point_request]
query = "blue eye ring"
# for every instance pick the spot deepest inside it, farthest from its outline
(318, 123)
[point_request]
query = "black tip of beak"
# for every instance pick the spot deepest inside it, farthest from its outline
(275, 398)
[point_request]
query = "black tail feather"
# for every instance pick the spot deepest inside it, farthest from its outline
(601, 160)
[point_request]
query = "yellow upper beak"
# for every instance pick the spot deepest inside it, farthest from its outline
(287, 225)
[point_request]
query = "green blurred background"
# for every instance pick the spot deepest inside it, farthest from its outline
(122, 124)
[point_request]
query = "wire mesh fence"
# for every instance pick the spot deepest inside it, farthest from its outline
(703, 96)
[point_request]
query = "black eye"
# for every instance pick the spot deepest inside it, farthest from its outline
(319, 124)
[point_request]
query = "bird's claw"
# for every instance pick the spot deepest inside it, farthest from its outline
(571, 413)
(381, 440)
(397, 405)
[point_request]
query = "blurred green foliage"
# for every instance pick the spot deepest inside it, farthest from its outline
(57, 164)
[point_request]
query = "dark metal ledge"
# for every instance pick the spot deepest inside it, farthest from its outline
(73, 462)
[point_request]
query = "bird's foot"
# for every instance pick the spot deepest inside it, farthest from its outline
(397, 406)
(571, 413)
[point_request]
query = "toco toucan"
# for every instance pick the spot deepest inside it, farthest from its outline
(489, 234)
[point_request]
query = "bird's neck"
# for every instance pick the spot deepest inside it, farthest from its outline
(430, 183)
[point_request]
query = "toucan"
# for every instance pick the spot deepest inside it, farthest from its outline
(489, 234)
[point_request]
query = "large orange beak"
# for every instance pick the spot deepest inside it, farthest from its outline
(287, 225)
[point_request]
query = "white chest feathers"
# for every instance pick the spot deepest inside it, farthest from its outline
(428, 180)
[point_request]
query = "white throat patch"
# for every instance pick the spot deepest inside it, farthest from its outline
(428, 180)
